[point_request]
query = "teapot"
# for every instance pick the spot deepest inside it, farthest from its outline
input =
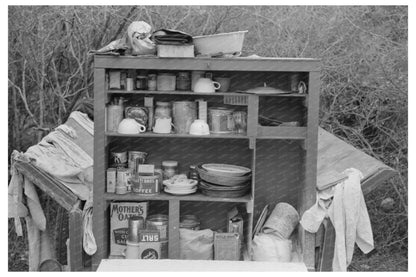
(206, 85)
(130, 126)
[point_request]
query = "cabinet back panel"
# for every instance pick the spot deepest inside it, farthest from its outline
(279, 174)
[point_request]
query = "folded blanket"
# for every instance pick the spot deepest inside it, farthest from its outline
(171, 37)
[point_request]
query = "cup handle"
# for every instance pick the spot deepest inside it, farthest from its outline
(302, 87)
(141, 128)
(216, 83)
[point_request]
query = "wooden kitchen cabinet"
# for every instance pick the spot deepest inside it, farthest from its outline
(283, 159)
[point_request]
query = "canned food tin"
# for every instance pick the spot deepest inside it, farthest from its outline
(136, 157)
(118, 158)
(136, 223)
(170, 169)
(124, 179)
(146, 185)
(158, 222)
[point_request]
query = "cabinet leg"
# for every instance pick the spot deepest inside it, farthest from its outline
(75, 240)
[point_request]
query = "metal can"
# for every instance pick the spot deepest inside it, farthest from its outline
(183, 82)
(170, 168)
(135, 158)
(136, 223)
(118, 158)
(158, 222)
(124, 179)
(111, 180)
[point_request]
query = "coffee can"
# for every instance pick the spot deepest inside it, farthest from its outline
(124, 179)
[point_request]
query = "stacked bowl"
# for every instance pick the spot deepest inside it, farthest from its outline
(224, 180)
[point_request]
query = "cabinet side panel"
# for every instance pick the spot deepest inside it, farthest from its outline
(308, 193)
(99, 218)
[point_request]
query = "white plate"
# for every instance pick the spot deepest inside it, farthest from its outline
(180, 192)
(186, 185)
(227, 169)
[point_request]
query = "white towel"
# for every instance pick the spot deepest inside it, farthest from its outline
(344, 204)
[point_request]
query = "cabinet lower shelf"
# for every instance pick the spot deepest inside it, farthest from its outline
(166, 197)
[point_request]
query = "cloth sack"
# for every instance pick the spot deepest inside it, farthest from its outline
(196, 245)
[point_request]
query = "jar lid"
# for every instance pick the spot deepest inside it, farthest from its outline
(158, 103)
(169, 163)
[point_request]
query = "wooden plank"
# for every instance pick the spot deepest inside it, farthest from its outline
(75, 239)
(197, 265)
(199, 197)
(252, 115)
(55, 189)
(336, 154)
(174, 215)
(220, 64)
(156, 135)
(100, 228)
(281, 132)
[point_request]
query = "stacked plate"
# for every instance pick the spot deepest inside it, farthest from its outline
(224, 180)
(180, 185)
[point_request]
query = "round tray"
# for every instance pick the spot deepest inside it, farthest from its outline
(222, 180)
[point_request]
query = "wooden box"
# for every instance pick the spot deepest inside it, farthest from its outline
(175, 51)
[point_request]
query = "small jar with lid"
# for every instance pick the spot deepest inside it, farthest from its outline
(170, 169)
(141, 82)
(151, 82)
(183, 81)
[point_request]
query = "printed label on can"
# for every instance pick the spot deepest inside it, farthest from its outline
(124, 178)
(111, 180)
(119, 157)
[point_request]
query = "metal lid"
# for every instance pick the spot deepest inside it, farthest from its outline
(166, 104)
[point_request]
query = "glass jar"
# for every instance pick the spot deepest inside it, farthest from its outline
(163, 110)
(141, 82)
(193, 173)
(183, 82)
(170, 169)
(151, 82)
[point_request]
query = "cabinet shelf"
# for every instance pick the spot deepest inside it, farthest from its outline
(179, 92)
(155, 135)
(166, 197)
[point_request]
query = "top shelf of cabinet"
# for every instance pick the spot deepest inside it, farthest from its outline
(212, 64)
(176, 92)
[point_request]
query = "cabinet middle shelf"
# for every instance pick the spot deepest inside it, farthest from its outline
(155, 135)
(166, 197)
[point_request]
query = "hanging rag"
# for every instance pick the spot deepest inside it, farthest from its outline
(345, 206)
(58, 155)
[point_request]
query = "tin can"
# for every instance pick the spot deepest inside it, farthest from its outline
(136, 223)
(124, 179)
(146, 185)
(158, 222)
(164, 249)
(118, 158)
(111, 180)
(183, 81)
(135, 158)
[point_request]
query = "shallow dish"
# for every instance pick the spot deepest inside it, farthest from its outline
(227, 170)
(181, 192)
(222, 180)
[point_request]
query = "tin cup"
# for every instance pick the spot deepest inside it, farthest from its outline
(136, 223)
